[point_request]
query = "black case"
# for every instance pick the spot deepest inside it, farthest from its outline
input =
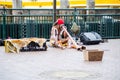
(33, 46)
(89, 38)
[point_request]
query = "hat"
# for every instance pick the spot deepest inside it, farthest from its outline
(60, 21)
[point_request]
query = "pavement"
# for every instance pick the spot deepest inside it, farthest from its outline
(57, 64)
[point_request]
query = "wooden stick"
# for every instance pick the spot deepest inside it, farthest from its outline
(74, 43)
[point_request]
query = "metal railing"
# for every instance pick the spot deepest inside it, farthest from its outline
(20, 23)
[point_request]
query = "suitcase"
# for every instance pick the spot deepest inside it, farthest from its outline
(89, 38)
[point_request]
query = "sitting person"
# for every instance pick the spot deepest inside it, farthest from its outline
(59, 37)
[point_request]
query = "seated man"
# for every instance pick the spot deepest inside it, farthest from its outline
(59, 38)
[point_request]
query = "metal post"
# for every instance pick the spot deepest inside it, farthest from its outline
(4, 23)
(54, 10)
(74, 13)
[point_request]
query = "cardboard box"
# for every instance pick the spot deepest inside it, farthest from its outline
(93, 55)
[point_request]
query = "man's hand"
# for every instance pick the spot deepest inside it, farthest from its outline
(62, 25)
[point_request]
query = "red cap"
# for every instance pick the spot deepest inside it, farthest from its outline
(60, 21)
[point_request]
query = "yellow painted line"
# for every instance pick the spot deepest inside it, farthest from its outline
(39, 3)
(31, 3)
(72, 3)
(77, 2)
(5, 3)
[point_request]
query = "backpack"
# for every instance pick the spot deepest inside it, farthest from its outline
(75, 28)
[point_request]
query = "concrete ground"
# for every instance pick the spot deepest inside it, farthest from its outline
(57, 64)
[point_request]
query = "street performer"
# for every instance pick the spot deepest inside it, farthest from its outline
(59, 38)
